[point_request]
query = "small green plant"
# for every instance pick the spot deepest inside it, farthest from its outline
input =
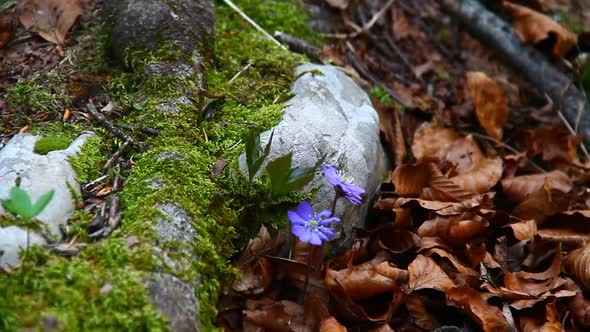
(283, 178)
(20, 205)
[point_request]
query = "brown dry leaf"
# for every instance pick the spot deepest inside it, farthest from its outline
(256, 271)
(524, 230)
(446, 254)
(577, 264)
(471, 302)
(425, 274)
(478, 254)
(518, 189)
(490, 104)
(419, 312)
(361, 281)
(275, 316)
(441, 208)
(476, 173)
(542, 204)
(6, 28)
(534, 27)
(549, 322)
(579, 305)
(441, 188)
(455, 229)
(410, 179)
(330, 324)
(382, 328)
(565, 236)
(432, 142)
(385, 269)
(558, 144)
(51, 19)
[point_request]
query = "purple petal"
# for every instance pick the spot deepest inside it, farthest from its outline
(295, 218)
(354, 199)
(298, 230)
(329, 221)
(331, 175)
(327, 232)
(323, 236)
(305, 211)
(315, 239)
(324, 214)
(353, 189)
(305, 235)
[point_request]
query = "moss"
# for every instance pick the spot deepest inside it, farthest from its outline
(86, 163)
(69, 290)
(32, 95)
(51, 143)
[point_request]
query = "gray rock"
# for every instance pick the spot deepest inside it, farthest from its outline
(176, 226)
(39, 174)
(150, 24)
(174, 106)
(176, 300)
(12, 239)
(330, 115)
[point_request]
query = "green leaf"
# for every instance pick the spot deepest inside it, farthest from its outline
(21, 203)
(299, 177)
(279, 171)
(41, 203)
(254, 158)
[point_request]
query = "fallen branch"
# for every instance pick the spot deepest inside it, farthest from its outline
(299, 45)
(108, 125)
(525, 59)
(115, 157)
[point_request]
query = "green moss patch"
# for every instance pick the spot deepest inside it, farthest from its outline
(48, 144)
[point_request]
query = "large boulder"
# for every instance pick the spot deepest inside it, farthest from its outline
(331, 115)
(151, 24)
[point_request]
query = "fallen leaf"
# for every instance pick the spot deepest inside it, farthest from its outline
(524, 230)
(6, 28)
(490, 104)
(542, 204)
(276, 316)
(576, 264)
(470, 302)
(331, 325)
(431, 142)
(417, 309)
(476, 173)
(579, 305)
(426, 274)
(455, 229)
(51, 19)
(362, 281)
(518, 189)
(410, 179)
(533, 27)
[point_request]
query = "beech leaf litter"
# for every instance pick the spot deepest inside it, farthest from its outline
(484, 221)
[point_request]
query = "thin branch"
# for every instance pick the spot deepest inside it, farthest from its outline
(509, 148)
(254, 24)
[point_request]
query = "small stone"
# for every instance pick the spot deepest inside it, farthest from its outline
(107, 288)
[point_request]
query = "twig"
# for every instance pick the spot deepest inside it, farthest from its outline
(115, 214)
(115, 156)
(509, 148)
(299, 45)
(145, 130)
(108, 125)
(246, 67)
(254, 24)
(573, 132)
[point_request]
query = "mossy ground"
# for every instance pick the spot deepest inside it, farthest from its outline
(69, 289)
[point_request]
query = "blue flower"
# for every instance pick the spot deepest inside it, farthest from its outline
(311, 227)
(343, 185)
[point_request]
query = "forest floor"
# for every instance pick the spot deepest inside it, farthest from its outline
(482, 225)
